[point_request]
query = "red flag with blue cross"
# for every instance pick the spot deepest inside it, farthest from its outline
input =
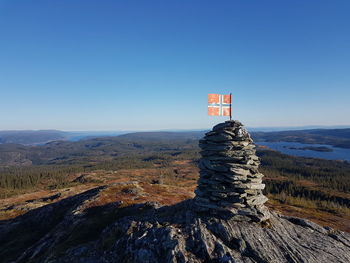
(219, 105)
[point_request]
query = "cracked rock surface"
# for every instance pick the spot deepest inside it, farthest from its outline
(149, 233)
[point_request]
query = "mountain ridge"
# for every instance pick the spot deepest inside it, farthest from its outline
(39, 137)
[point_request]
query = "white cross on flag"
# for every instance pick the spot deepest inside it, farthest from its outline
(219, 105)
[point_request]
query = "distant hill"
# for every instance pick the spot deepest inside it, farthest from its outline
(31, 137)
(98, 149)
(335, 137)
(59, 150)
(44, 136)
(160, 136)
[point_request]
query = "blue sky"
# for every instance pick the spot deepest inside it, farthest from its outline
(143, 65)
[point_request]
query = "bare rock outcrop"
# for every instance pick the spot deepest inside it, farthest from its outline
(175, 234)
(149, 233)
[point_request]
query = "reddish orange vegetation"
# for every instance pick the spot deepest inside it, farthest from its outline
(323, 218)
(25, 197)
(166, 186)
(307, 183)
(276, 178)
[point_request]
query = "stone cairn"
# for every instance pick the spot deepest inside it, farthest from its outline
(230, 183)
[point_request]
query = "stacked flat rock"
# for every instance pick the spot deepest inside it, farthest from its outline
(230, 183)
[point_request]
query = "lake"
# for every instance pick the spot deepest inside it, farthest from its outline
(295, 148)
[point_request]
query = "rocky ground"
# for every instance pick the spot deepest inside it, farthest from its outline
(77, 229)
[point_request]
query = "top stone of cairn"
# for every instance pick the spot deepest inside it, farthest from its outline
(230, 183)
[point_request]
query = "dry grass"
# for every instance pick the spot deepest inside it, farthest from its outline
(321, 217)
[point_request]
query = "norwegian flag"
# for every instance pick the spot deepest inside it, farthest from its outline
(219, 105)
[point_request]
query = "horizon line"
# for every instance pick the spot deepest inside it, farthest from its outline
(177, 129)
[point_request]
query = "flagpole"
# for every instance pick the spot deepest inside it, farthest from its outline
(230, 106)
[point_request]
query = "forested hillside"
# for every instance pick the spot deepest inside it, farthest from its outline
(31, 137)
(335, 137)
